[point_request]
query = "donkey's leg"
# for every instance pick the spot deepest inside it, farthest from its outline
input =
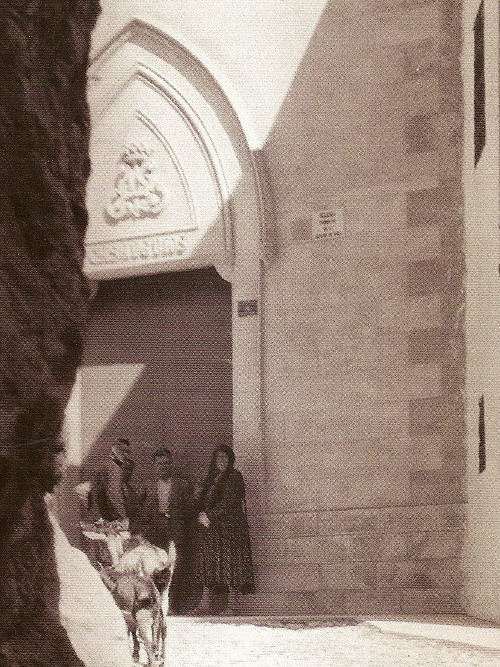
(158, 636)
(135, 646)
(164, 607)
(146, 633)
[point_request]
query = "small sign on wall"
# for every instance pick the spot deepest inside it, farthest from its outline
(328, 224)
(247, 308)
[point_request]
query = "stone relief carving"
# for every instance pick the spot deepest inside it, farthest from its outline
(171, 246)
(136, 194)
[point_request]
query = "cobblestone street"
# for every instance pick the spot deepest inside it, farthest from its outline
(315, 643)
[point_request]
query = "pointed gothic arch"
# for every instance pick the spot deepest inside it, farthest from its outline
(146, 87)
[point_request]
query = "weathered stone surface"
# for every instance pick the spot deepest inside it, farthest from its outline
(437, 486)
(288, 578)
(271, 603)
(442, 601)
(44, 165)
(426, 277)
(330, 602)
(373, 602)
(426, 345)
(442, 544)
(348, 576)
(391, 519)
(434, 206)
(429, 574)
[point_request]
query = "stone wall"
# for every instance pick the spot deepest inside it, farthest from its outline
(364, 353)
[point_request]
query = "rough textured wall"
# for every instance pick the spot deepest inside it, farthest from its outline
(43, 170)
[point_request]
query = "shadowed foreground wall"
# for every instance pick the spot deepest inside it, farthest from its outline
(43, 170)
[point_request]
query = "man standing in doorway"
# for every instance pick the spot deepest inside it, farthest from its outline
(108, 493)
(166, 512)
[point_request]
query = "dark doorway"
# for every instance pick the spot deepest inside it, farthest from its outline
(157, 369)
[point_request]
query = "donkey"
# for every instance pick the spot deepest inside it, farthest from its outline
(135, 563)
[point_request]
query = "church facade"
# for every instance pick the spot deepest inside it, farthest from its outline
(280, 237)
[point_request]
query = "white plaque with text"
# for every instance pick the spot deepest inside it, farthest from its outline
(328, 224)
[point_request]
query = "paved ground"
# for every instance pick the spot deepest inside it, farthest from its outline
(97, 631)
(340, 643)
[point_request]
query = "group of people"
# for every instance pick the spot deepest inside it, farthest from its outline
(207, 523)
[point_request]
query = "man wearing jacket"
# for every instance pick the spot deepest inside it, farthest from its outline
(167, 509)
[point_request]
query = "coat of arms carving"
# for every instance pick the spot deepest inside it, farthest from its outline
(137, 193)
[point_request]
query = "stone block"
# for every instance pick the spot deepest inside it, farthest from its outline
(288, 578)
(301, 229)
(303, 524)
(271, 603)
(453, 453)
(426, 277)
(426, 415)
(391, 520)
(333, 549)
(395, 546)
(429, 574)
(383, 487)
(364, 459)
(365, 487)
(437, 486)
(423, 380)
(427, 452)
(391, 381)
(375, 212)
(435, 545)
(447, 130)
(440, 205)
(418, 133)
(347, 521)
(282, 494)
(348, 576)
(330, 602)
(420, 95)
(451, 89)
(403, 23)
(426, 345)
(358, 417)
(373, 602)
(269, 552)
(395, 5)
(367, 547)
(420, 58)
(267, 526)
(304, 551)
(454, 517)
(300, 524)
(416, 601)
(374, 348)
(421, 243)
(416, 166)
(410, 313)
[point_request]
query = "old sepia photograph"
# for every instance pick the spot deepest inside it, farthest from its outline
(249, 333)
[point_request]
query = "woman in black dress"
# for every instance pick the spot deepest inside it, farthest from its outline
(224, 558)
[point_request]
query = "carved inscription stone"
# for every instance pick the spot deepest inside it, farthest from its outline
(170, 246)
(136, 192)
